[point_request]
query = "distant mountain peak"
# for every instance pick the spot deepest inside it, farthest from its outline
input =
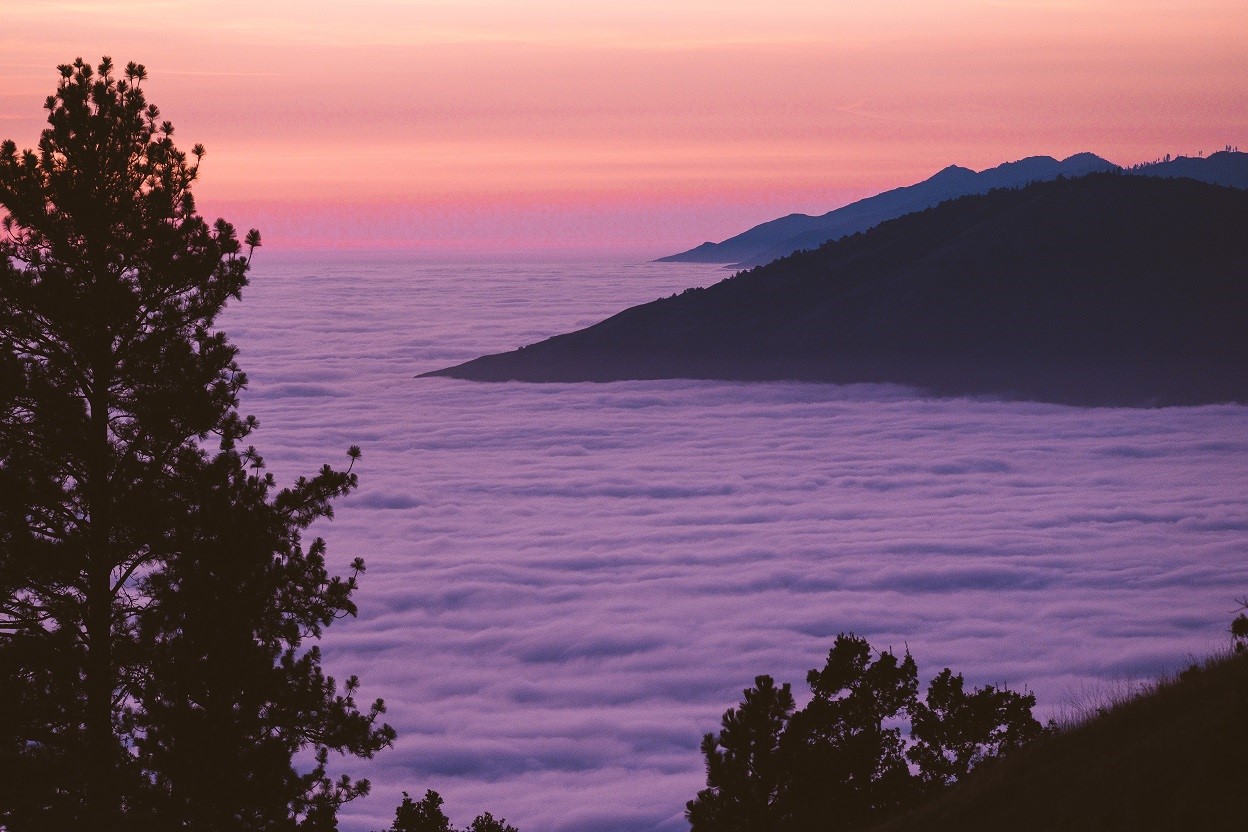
(951, 171)
(1085, 157)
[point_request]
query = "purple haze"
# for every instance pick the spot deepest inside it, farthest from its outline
(568, 584)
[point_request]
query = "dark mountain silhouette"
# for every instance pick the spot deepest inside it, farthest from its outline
(796, 232)
(1105, 289)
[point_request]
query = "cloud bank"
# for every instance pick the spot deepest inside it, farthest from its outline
(568, 584)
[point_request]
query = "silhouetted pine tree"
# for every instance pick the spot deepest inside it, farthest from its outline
(743, 765)
(112, 380)
(426, 815)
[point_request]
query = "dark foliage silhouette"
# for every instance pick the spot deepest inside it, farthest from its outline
(843, 762)
(1239, 628)
(426, 815)
(485, 822)
(846, 753)
(229, 696)
(743, 774)
(156, 599)
(954, 730)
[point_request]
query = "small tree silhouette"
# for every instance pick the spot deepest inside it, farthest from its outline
(743, 764)
(485, 822)
(846, 749)
(425, 815)
(1239, 628)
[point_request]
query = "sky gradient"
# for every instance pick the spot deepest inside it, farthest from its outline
(488, 126)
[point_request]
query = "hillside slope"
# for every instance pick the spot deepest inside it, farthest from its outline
(1175, 759)
(1107, 289)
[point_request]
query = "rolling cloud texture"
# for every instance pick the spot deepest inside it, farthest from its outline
(568, 584)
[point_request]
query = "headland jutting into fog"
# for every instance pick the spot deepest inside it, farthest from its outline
(1106, 289)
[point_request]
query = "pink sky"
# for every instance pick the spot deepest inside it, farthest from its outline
(637, 129)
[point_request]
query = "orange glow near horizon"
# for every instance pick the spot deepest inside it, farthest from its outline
(645, 128)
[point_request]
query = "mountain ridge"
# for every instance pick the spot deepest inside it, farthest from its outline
(782, 236)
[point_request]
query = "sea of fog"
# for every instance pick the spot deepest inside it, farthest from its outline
(567, 584)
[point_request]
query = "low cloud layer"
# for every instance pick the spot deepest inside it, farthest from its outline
(568, 584)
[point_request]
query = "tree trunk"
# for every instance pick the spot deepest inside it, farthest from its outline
(102, 796)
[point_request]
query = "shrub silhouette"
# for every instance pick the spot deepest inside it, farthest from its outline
(426, 815)
(843, 762)
(953, 731)
(1239, 628)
